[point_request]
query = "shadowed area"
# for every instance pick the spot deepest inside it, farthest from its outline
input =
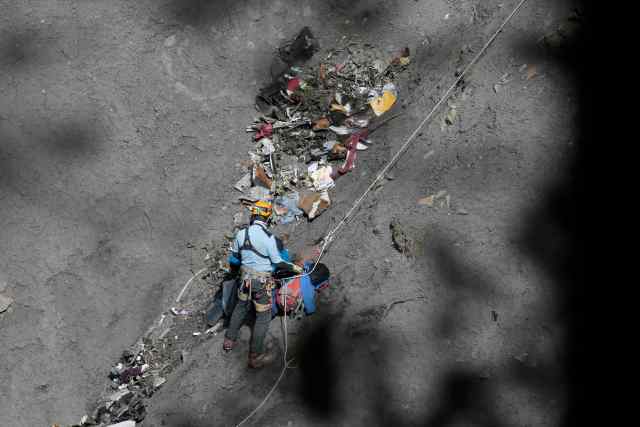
(17, 48)
(74, 136)
(196, 13)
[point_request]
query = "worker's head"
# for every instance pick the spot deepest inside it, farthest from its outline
(261, 211)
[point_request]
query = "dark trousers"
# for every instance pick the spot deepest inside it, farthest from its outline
(223, 303)
(259, 295)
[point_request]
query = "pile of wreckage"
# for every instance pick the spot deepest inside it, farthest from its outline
(140, 372)
(134, 378)
(314, 120)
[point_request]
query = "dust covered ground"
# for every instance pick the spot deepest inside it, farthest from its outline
(122, 125)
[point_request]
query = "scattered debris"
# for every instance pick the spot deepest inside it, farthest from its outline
(321, 176)
(5, 302)
(244, 183)
(127, 423)
(504, 79)
(286, 208)
(401, 240)
(426, 201)
(532, 72)
(451, 115)
(158, 381)
(261, 178)
(432, 199)
(312, 122)
(180, 312)
(313, 204)
(403, 59)
(300, 49)
(314, 117)
(265, 131)
(215, 329)
(382, 102)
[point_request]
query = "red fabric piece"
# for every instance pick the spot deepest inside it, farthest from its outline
(293, 84)
(352, 144)
(266, 130)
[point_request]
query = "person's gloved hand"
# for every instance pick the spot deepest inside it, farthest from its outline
(297, 269)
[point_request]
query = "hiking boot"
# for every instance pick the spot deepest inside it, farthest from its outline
(228, 344)
(258, 360)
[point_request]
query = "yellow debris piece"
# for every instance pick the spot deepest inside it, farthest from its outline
(383, 103)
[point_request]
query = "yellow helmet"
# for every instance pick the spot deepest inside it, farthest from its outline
(262, 208)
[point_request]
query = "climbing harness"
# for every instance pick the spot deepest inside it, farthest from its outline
(248, 246)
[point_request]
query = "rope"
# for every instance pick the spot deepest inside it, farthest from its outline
(331, 235)
(286, 363)
(186, 285)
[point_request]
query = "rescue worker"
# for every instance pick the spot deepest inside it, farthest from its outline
(257, 250)
(224, 301)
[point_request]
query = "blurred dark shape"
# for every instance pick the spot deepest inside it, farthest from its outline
(463, 395)
(300, 49)
(74, 136)
(319, 371)
(197, 13)
(18, 48)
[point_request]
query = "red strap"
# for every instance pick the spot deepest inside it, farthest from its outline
(352, 146)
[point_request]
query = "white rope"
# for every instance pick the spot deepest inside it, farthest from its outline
(331, 235)
(284, 357)
(186, 285)
(389, 165)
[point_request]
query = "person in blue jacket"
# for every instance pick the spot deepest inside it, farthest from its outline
(257, 250)
(226, 298)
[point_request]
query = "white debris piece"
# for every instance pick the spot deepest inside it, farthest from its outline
(5, 302)
(243, 183)
(128, 423)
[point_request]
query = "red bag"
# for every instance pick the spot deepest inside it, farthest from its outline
(291, 300)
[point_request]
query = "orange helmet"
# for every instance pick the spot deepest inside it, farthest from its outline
(262, 208)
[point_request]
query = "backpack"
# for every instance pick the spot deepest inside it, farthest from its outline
(290, 302)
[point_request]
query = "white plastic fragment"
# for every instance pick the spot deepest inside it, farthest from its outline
(128, 423)
(340, 130)
(158, 381)
(215, 328)
(5, 302)
(321, 177)
(267, 146)
(243, 183)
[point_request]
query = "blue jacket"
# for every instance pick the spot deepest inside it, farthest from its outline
(308, 292)
(261, 242)
(235, 260)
